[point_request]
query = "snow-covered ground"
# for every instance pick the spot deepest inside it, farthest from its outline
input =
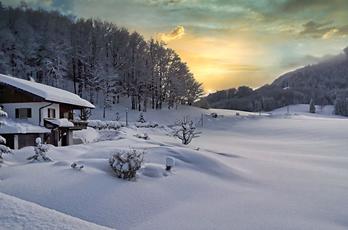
(19, 214)
(244, 172)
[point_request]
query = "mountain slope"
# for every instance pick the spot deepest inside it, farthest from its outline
(324, 82)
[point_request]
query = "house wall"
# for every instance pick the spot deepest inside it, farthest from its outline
(10, 108)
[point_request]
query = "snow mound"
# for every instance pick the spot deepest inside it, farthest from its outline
(154, 170)
(19, 214)
(88, 135)
(197, 161)
(61, 163)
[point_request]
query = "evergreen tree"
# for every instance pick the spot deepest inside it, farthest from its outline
(95, 59)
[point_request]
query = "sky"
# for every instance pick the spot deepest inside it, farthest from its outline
(227, 43)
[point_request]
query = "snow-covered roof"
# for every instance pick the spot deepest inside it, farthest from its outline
(48, 93)
(63, 122)
(9, 126)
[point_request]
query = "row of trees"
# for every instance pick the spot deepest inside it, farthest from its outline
(270, 97)
(326, 83)
(95, 59)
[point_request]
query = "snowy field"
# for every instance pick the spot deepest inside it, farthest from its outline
(273, 171)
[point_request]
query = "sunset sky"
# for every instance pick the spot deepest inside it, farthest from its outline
(227, 43)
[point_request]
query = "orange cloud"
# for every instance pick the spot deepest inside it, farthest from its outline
(175, 34)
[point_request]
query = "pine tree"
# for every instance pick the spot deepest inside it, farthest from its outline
(96, 60)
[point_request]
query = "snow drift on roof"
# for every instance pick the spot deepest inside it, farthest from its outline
(49, 93)
(63, 122)
(9, 126)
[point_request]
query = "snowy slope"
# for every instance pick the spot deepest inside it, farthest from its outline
(244, 172)
(19, 214)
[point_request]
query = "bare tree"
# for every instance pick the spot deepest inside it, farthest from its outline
(187, 131)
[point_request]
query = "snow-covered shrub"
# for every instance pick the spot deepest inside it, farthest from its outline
(186, 131)
(98, 124)
(144, 136)
(170, 162)
(141, 118)
(3, 148)
(311, 106)
(40, 151)
(126, 163)
(146, 125)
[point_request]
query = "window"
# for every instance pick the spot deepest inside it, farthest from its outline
(51, 113)
(23, 113)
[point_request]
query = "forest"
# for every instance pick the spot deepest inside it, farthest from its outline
(95, 59)
(326, 83)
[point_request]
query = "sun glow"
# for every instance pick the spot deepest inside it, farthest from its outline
(217, 62)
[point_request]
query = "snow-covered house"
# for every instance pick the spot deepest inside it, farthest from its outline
(38, 110)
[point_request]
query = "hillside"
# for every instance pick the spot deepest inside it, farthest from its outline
(328, 76)
(325, 82)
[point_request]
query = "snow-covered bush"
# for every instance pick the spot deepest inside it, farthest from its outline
(186, 131)
(3, 148)
(141, 118)
(126, 163)
(40, 151)
(311, 106)
(98, 124)
(146, 125)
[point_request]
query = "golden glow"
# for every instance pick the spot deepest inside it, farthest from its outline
(222, 63)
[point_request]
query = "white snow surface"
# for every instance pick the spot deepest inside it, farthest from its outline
(243, 172)
(49, 93)
(19, 214)
(62, 122)
(10, 126)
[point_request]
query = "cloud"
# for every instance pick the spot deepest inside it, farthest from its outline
(316, 30)
(176, 33)
(323, 30)
(330, 33)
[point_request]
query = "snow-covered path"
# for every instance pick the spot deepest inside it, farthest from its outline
(278, 172)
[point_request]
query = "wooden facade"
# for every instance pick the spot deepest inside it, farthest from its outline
(10, 94)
